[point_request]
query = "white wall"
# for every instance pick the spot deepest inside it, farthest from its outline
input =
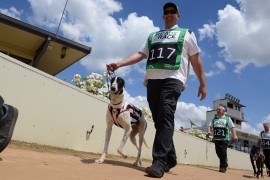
(55, 113)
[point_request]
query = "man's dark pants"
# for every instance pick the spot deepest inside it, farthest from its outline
(266, 153)
(221, 151)
(162, 96)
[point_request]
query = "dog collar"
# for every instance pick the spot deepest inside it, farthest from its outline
(117, 103)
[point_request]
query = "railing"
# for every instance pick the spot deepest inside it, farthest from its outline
(241, 148)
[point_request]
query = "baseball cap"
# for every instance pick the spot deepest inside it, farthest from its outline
(170, 4)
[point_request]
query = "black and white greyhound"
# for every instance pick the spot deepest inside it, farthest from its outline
(124, 115)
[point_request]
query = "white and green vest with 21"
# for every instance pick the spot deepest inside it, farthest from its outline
(165, 49)
(220, 128)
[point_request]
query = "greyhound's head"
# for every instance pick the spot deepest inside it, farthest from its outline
(117, 85)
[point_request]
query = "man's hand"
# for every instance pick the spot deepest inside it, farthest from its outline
(208, 134)
(202, 92)
(112, 67)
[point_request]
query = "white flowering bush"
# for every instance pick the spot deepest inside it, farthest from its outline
(147, 113)
(94, 83)
(198, 133)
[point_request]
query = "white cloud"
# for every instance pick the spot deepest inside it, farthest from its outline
(12, 12)
(248, 128)
(267, 118)
(208, 30)
(242, 34)
(220, 65)
(129, 81)
(209, 73)
(258, 128)
(189, 111)
(92, 23)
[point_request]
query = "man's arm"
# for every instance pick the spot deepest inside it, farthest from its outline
(132, 59)
(197, 66)
(233, 130)
(209, 130)
(260, 144)
(259, 140)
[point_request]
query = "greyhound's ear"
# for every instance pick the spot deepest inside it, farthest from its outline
(112, 80)
(122, 81)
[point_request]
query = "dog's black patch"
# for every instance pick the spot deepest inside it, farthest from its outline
(120, 83)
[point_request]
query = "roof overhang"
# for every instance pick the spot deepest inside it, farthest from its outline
(39, 48)
(245, 133)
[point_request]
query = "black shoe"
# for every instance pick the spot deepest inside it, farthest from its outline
(7, 124)
(223, 170)
(170, 165)
(156, 170)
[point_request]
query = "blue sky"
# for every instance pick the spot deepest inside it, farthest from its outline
(232, 34)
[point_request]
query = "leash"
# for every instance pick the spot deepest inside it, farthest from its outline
(109, 77)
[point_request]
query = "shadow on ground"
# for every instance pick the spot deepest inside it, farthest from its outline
(114, 163)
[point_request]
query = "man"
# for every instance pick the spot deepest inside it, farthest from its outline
(264, 143)
(168, 53)
(8, 118)
(221, 126)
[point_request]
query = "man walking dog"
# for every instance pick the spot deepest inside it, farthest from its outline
(169, 53)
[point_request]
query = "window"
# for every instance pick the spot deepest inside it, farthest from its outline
(237, 108)
(246, 143)
(230, 105)
(238, 122)
(233, 120)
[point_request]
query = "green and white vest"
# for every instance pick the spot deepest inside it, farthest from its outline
(265, 139)
(165, 49)
(220, 128)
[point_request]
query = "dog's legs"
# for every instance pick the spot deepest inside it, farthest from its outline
(123, 142)
(106, 145)
(258, 168)
(262, 170)
(253, 165)
(138, 159)
(142, 129)
(132, 136)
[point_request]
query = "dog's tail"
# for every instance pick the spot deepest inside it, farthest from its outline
(145, 143)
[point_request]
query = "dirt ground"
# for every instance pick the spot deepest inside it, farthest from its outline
(24, 161)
